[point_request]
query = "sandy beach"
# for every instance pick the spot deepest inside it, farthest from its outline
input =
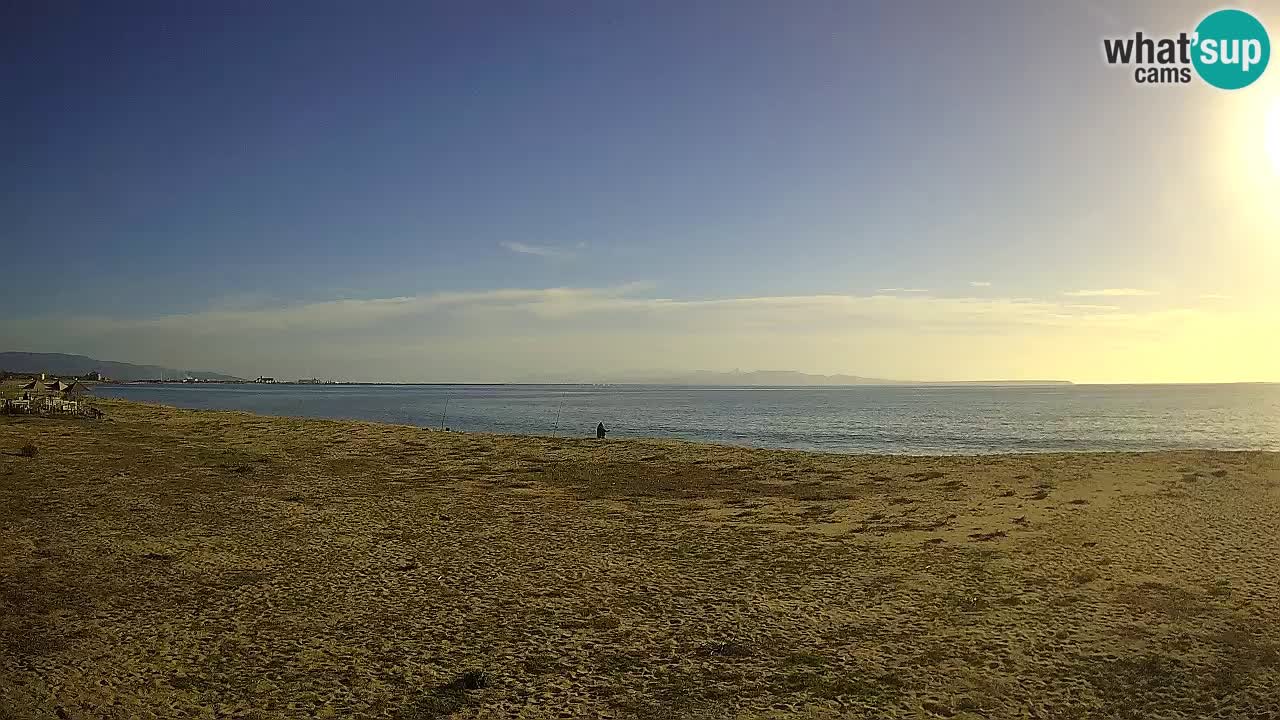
(167, 563)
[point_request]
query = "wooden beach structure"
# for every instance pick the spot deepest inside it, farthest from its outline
(49, 398)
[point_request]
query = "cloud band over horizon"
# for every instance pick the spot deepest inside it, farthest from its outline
(511, 334)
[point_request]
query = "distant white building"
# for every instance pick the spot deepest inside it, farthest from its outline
(265, 379)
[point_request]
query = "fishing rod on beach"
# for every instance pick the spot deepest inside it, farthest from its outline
(556, 431)
(445, 415)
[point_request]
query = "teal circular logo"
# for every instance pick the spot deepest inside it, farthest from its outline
(1231, 49)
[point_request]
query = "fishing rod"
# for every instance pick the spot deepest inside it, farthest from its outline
(556, 431)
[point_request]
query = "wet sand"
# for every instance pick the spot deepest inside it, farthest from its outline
(171, 563)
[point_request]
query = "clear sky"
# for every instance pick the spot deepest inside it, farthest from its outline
(491, 191)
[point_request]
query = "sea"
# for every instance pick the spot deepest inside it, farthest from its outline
(903, 419)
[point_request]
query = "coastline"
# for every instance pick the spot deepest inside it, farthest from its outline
(962, 421)
(170, 559)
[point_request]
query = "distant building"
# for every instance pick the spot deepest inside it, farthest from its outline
(95, 376)
(265, 379)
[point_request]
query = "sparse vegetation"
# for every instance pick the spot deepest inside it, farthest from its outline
(726, 649)
(29, 450)
(1084, 577)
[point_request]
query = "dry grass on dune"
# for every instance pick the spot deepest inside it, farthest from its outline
(168, 563)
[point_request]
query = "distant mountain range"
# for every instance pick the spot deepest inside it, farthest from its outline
(761, 377)
(62, 364)
(792, 377)
(773, 378)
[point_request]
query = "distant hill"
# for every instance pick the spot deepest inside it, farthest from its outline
(62, 364)
(763, 377)
(794, 378)
(787, 378)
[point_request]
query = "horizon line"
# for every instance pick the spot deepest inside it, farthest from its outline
(896, 383)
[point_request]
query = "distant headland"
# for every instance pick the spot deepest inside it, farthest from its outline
(62, 364)
(791, 378)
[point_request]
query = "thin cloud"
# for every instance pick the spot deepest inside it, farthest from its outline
(979, 283)
(515, 307)
(1111, 292)
(903, 290)
(1214, 296)
(498, 334)
(538, 250)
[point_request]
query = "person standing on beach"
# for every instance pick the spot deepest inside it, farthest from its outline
(600, 431)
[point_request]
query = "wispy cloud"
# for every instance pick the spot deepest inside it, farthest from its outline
(903, 290)
(979, 283)
(500, 334)
(516, 307)
(1111, 292)
(539, 250)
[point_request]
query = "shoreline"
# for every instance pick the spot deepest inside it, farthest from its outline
(743, 446)
(654, 440)
(921, 384)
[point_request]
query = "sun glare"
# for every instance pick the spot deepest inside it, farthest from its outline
(1272, 139)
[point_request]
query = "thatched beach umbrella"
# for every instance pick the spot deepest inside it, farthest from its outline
(34, 385)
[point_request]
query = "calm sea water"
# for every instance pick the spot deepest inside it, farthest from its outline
(835, 419)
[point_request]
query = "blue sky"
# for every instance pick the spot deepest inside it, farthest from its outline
(195, 163)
